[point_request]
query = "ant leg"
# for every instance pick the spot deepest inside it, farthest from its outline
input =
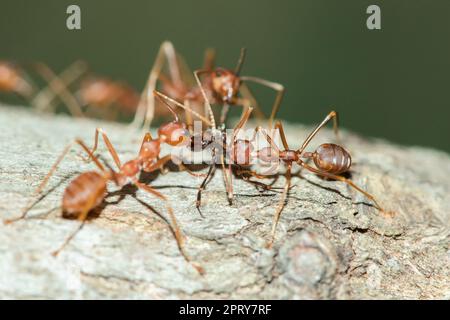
(109, 145)
(252, 173)
(279, 126)
(229, 175)
(224, 113)
(209, 59)
(159, 164)
(182, 167)
(347, 181)
(281, 205)
(273, 85)
(178, 234)
(227, 178)
(50, 173)
(146, 107)
(45, 97)
(82, 218)
(179, 237)
(208, 176)
(178, 104)
(202, 90)
(268, 138)
(240, 62)
(188, 116)
(332, 115)
(58, 86)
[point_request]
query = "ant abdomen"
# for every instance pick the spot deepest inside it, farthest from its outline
(85, 192)
(332, 158)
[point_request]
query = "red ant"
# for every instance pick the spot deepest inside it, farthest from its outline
(331, 160)
(218, 151)
(15, 80)
(88, 190)
(222, 86)
(96, 93)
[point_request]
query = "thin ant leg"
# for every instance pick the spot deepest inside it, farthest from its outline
(279, 126)
(188, 116)
(159, 164)
(50, 173)
(252, 173)
(347, 181)
(161, 95)
(185, 72)
(182, 167)
(177, 231)
(281, 205)
(46, 96)
(268, 138)
(273, 85)
(202, 90)
(209, 59)
(240, 62)
(332, 115)
(224, 113)
(109, 145)
(58, 85)
(146, 107)
(179, 237)
(82, 218)
(228, 174)
(209, 175)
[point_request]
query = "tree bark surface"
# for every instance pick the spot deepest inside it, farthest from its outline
(330, 243)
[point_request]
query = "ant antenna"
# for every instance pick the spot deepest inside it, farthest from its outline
(238, 68)
(167, 105)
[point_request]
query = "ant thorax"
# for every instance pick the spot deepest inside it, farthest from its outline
(129, 172)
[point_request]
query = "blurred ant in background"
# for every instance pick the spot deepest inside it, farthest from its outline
(99, 96)
(14, 79)
(222, 86)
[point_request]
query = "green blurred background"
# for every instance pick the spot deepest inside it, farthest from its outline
(392, 83)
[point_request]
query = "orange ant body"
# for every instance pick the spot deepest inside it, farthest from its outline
(221, 86)
(330, 160)
(88, 190)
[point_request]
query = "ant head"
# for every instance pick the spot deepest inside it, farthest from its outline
(9, 76)
(225, 84)
(150, 149)
(174, 133)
